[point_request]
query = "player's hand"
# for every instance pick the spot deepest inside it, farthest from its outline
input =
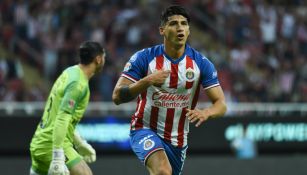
(57, 165)
(84, 149)
(197, 115)
(87, 151)
(157, 78)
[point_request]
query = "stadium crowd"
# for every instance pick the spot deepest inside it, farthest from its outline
(259, 47)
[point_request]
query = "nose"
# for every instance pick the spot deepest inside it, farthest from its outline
(179, 28)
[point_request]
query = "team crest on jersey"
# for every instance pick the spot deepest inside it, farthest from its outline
(71, 103)
(148, 144)
(127, 67)
(189, 74)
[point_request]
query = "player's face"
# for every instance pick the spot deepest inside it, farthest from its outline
(176, 30)
(100, 63)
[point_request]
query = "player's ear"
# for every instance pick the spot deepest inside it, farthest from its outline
(98, 59)
(161, 30)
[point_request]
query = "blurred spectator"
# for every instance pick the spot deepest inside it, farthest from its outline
(248, 41)
(268, 25)
(287, 25)
(21, 18)
(12, 73)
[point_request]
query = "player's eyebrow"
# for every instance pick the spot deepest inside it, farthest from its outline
(180, 20)
(174, 22)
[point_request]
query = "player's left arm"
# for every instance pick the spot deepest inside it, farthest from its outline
(218, 107)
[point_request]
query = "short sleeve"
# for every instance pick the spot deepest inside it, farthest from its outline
(208, 74)
(72, 95)
(136, 68)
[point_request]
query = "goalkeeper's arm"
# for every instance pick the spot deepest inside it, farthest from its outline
(84, 149)
(57, 165)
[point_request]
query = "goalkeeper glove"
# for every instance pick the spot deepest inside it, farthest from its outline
(84, 149)
(57, 165)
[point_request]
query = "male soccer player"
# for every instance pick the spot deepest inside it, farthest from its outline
(56, 148)
(167, 78)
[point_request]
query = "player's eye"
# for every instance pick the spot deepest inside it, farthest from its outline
(184, 23)
(172, 23)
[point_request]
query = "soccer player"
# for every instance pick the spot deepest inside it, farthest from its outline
(166, 79)
(56, 148)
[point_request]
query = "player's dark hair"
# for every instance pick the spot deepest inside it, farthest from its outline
(173, 10)
(88, 50)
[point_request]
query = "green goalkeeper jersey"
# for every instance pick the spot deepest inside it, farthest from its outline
(65, 107)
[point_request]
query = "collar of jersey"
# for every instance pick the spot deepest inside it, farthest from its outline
(175, 61)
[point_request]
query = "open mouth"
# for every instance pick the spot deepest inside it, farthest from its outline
(180, 36)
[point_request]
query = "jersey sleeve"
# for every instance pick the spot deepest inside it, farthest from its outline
(72, 95)
(60, 129)
(136, 68)
(208, 74)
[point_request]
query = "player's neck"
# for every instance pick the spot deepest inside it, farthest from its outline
(173, 51)
(87, 70)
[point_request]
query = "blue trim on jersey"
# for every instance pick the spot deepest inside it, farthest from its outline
(145, 142)
(141, 59)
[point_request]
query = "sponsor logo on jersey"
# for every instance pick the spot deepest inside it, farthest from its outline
(127, 67)
(166, 99)
(189, 74)
(164, 95)
(148, 144)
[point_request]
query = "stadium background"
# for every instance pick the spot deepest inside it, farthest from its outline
(259, 48)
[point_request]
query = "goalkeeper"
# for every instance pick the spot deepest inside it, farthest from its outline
(56, 148)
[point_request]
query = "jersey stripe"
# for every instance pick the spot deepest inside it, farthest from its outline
(134, 118)
(155, 110)
(154, 117)
(140, 113)
(195, 98)
(174, 76)
(169, 124)
(181, 127)
(189, 64)
(159, 62)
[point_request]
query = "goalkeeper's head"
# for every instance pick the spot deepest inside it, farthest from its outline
(92, 53)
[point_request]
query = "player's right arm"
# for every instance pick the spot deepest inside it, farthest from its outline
(57, 165)
(126, 90)
(63, 118)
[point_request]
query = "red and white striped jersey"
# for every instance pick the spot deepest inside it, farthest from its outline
(163, 109)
